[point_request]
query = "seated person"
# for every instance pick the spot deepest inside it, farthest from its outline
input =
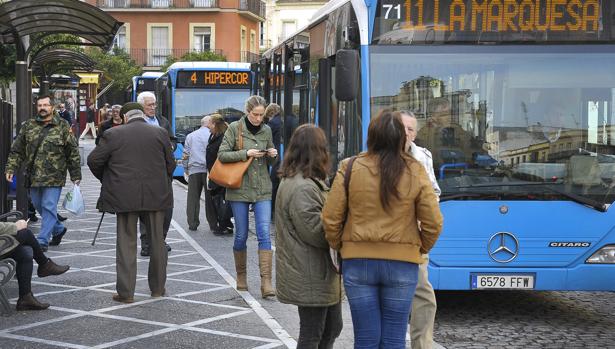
(26, 248)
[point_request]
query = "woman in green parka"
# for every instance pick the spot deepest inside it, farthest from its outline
(305, 275)
(255, 189)
(18, 242)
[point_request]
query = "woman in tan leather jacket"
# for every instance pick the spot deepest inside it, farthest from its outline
(376, 229)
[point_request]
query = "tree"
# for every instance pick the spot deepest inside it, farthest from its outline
(117, 66)
(206, 56)
(8, 55)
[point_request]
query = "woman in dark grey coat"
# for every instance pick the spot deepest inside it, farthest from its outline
(305, 275)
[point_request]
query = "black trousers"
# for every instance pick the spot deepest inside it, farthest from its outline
(319, 326)
(28, 248)
(143, 217)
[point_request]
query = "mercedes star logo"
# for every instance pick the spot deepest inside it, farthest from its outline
(503, 247)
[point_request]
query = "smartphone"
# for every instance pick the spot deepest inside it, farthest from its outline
(262, 151)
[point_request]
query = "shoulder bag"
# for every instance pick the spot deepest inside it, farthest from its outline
(336, 257)
(230, 174)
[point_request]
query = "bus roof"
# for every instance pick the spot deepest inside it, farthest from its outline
(318, 15)
(209, 65)
(152, 74)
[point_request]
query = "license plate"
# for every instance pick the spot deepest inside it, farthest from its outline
(502, 281)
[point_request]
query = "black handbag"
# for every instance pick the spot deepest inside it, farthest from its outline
(223, 207)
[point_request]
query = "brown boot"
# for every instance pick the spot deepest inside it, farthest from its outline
(28, 302)
(50, 268)
(264, 262)
(240, 268)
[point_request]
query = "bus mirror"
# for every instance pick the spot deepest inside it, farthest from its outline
(346, 75)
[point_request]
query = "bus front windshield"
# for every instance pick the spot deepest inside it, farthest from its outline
(192, 104)
(507, 122)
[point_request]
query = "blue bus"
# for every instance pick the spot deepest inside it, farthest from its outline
(515, 100)
(142, 83)
(190, 90)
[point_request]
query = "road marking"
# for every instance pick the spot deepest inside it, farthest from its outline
(273, 325)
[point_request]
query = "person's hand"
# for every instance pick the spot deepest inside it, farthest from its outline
(21, 224)
(255, 153)
(77, 182)
(9, 177)
(272, 152)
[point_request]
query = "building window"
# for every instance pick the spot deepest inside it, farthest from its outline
(252, 41)
(120, 39)
(160, 46)
(202, 39)
(160, 3)
(203, 3)
(288, 28)
(242, 44)
(261, 40)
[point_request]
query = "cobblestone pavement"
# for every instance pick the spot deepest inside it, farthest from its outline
(522, 319)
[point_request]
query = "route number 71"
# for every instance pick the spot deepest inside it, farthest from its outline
(389, 7)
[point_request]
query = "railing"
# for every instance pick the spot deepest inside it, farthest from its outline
(249, 57)
(157, 57)
(257, 7)
(162, 4)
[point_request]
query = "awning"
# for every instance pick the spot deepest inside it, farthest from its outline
(88, 78)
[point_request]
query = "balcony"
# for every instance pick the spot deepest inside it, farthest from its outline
(157, 57)
(256, 7)
(249, 57)
(156, 4)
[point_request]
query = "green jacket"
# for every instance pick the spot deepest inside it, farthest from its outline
(57, 153)
(305, 275)
(9, 229)
(256, 183)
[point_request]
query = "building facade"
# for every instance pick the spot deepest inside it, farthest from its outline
(156, 29)
(285, 17)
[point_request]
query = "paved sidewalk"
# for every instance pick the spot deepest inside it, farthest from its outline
(201, 309)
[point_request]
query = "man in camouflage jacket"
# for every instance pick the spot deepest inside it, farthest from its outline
(58, 152)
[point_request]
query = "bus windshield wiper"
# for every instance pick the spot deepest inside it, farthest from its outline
(462, 196)
(597, 205)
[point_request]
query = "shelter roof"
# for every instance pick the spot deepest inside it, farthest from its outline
(25, 17)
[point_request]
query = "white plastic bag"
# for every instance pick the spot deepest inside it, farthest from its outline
(73, 201)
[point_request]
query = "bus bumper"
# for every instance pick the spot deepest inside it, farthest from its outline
(585, 277)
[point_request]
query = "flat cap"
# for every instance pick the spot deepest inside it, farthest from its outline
(130, 106)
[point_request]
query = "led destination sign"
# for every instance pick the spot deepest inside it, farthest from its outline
(500, 20)
(213, 79)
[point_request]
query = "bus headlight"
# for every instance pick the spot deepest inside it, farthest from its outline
(605, 255)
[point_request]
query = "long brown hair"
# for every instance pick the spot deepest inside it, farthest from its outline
(307, 154)
(386, 139)
(220, 125)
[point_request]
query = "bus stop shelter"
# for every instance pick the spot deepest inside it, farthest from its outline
(26, 23)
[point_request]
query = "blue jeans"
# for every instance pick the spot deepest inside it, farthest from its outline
(262, 214)
(45, 200)
(380, 296)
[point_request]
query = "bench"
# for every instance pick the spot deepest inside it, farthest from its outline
(7, 265)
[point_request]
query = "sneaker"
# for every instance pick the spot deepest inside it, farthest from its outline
(145, 251)
(61, 218)
(156, 294)
(44, 248)
(192, 228)
(229, 230)
(56, 239)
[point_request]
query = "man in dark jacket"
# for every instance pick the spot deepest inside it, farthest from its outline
(64, 114)
(148, 102)
(137, 162)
